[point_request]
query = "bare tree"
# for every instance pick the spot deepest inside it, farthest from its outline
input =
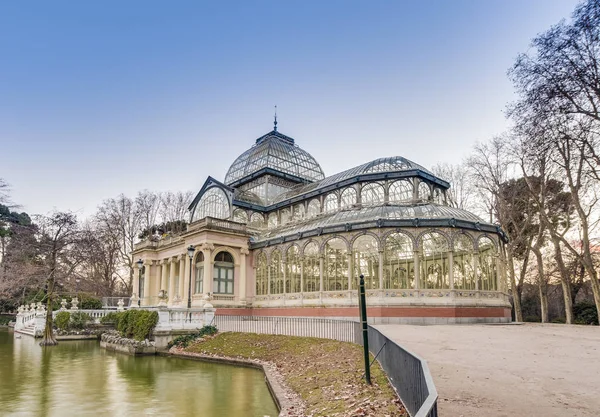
(461, 193)
(173, 206)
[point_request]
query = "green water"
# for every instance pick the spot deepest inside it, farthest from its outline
(77, 378)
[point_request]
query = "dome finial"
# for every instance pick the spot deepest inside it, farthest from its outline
(275, 123)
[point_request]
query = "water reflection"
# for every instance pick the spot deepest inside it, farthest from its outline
(79, 378)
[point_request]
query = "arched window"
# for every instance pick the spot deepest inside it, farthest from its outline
(314, 208)
(214, 203)
(434, 261)
(240, 216)
(438, 196)
(298, 212)
(424, 191)
(276, 272)
(312, 268)
(257, 220)
(365, 261)
(262, 279)
(464, 274)
(486, 273)
(335, 270)
(372, 194)
(400, 191)
(223, 273)
(398, 262)
(199, 281)
(272, 220)
(293, 268)
(330, 203)
(285, 215)
(348, 197)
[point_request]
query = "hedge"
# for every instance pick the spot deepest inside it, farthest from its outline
(185, 340)
(136, 324)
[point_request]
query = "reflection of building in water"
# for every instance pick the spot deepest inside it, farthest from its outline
(277, 237)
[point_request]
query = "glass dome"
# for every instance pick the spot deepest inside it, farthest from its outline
(278, 152)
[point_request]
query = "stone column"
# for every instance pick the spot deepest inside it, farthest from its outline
(147, 279)
(171, 290)
(180, 290)
(136, 283)
(186, 280)
(451, 269)
(163, 277)
(243, 271)
(207, 249)
(159, 268)
(417, 269)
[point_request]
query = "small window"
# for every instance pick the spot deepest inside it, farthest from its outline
(224, 257)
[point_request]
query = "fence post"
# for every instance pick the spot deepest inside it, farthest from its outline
(365, 331)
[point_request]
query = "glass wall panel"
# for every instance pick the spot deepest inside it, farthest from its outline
(314, 208)
(335, 270)
(365, 261)
(240, 216)
(214, 203)
(372, 194)
(312, 268)
(292, 278)
(285, 215)
(464, 273)
(199, 281)
(257, 220)
(424, 191)
(438, 196)
(330, 203)
(272, 220)
(434, 261)
(486, 272)
(298, 212)
(348, 197)
(399, 268)
(276, 272)
(400, 191)
(262, 279)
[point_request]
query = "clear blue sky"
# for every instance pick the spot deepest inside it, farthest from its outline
(102, 98)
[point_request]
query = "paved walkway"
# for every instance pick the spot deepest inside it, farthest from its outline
(509, 370)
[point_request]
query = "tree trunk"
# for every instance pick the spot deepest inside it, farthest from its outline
(543, 288)
(515, 291)
(49, 339)
(564, 280)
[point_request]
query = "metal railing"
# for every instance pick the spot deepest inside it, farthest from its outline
(342, 330)
(408, 373)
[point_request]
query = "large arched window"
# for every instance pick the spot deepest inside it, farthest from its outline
(312, 268)
(285, 215)
(199, 281)
(434, 261)
(400, 191)
(223, 273)
(464, 274)
(365, 261)
(330, 203)
(424, 191)
(314, 208)
(486, 273)
(257, 220)
(372, 194)
(298, 212)
(276, 272)
(214, 203)
(262, 279)
(399, 267)
(335, 274)
(348, 197)
(240, 216)
(293, 268)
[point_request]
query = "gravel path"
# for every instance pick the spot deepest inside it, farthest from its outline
(509, 370)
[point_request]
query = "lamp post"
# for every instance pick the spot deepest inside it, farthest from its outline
(140, 265)
(191, 251)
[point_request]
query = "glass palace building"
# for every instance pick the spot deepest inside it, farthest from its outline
(277, 237)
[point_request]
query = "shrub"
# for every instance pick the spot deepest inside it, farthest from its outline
(137, 324)
(585, 313)
(112, 318)
(87, 302)
(185, 340)
(62, 320)
(79, 320)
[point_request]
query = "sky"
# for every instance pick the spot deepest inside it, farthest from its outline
(111, 97)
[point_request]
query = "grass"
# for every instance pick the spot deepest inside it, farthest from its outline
(326, 374)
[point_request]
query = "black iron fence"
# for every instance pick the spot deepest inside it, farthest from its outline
(408, 373)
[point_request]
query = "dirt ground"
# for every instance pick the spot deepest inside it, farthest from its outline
(509, 370)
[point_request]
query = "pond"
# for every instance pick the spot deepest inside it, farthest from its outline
(79, 378)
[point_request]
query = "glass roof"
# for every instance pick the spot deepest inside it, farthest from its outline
(390, 164)
(367, 214)
(278, 152)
